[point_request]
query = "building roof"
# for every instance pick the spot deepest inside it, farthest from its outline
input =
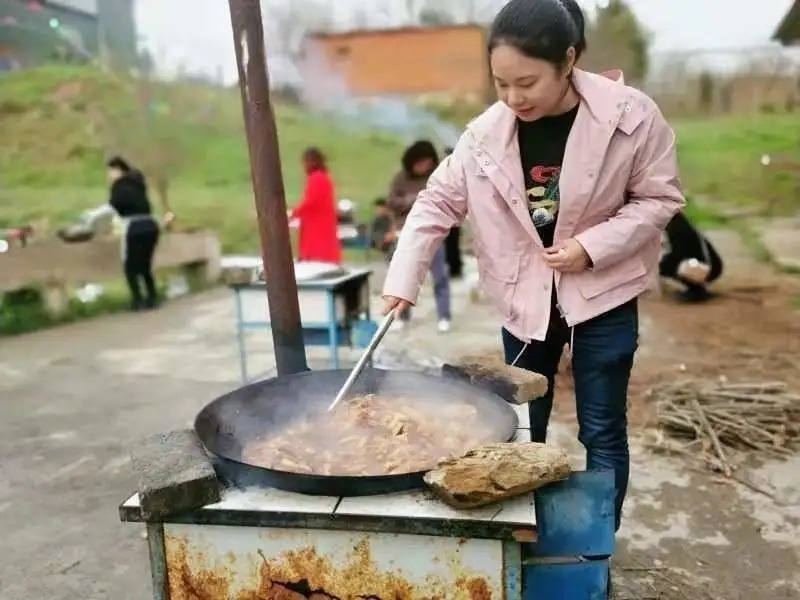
(320, 35)
(85, 8)
(788, 32)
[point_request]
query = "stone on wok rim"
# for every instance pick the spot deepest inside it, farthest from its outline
(497, 472)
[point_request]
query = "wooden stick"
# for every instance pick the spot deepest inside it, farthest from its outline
(755, 416)
(712, 434)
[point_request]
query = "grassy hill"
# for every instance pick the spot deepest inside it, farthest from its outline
(52, 164)
(54, 123)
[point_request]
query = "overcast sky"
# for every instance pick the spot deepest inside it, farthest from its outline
(196, 33)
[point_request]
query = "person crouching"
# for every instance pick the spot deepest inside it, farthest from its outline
(690, 259)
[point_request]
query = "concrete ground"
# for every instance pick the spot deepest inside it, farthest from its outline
(779, 238)
(72, 399)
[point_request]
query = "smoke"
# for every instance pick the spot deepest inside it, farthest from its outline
(325, 91)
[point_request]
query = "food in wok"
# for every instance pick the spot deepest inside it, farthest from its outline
(372, 435)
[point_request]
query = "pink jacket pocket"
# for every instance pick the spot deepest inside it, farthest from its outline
(498, 277)
(595, 283)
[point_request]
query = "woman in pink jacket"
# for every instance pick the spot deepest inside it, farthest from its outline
(568, 181)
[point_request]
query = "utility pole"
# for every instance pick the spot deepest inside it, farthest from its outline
(270, 197)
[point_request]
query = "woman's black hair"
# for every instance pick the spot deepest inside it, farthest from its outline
(543, 29)
(419, 150)
(117, 162)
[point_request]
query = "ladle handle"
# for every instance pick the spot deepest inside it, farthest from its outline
(373, 343)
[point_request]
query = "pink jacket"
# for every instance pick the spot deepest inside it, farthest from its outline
(619, 189)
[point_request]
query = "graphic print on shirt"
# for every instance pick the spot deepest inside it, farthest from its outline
(543, 196)
(542, 144)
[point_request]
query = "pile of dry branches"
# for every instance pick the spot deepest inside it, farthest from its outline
(719, 417)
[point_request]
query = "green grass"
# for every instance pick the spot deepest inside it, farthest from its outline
(721, 158)
(704, 216)
(23, 311)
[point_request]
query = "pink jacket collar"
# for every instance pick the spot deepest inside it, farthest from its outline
(607, 104)
(604, 96)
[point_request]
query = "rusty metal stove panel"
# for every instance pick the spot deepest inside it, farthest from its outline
(242, 563)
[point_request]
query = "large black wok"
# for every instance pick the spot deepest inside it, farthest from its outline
(227, 424)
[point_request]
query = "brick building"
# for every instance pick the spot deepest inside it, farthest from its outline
(447, 62)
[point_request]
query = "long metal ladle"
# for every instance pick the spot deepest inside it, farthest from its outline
(373, 344)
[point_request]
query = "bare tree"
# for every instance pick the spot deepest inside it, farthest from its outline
(432, 17)
(359, 18)
(482, 11)
(617, 40)
(287, 24)
(423, 12)
(412, 10)
(464, 11)
(153, 127)
(375, 13)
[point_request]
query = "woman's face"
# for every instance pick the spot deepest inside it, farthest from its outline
(310, 164)
(312, 161)
(531, 87)
(113, 174)
(423, 167)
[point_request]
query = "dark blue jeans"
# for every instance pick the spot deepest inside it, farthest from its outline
(602, 358)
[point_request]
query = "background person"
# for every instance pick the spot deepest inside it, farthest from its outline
(382, 231)
(690, 259)
(318, 221)
(418, 162)
(140, 230)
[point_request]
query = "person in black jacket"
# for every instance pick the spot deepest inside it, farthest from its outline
(690, 259)
(140, 237)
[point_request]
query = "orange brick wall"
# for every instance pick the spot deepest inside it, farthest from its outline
(449, 60)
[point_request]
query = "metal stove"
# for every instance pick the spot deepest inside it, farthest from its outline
(266, 543)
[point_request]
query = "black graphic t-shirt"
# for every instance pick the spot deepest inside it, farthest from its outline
(541, 146)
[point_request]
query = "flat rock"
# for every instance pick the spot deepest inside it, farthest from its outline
(497, 472)
(489, 371)
(174, 474)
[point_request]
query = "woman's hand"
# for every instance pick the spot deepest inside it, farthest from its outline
(392, 303)
(567, 257)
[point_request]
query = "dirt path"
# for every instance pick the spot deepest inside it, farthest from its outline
(703, 536)
(736, 542)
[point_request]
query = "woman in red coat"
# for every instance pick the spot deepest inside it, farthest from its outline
(316, 213)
